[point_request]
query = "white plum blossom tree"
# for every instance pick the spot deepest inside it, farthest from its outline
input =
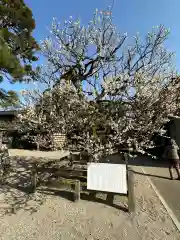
(94, 80)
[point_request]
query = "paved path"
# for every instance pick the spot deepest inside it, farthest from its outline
(169, 190)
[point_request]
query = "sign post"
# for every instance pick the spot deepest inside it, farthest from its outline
(107, 177)
(112, 178)
(131, 195)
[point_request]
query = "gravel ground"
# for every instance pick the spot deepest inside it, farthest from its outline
(45, 216)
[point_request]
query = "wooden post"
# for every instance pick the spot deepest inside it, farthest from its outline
(37, 146)
(110, 198)
(34, 177)
(70, 157)
(77, 190)
(131, 195)
(126, 159)
(92, 194)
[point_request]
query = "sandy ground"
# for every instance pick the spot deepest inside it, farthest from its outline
(52, 216)
(38, 154)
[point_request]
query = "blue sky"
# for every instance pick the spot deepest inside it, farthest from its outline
(130, 16)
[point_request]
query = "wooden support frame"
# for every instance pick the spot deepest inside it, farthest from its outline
(77, 183)
(130, 193)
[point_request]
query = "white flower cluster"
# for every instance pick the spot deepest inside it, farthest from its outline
(135, 80)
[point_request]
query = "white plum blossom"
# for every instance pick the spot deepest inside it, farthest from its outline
(127, 91)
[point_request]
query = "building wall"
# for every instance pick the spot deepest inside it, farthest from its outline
(7, 122)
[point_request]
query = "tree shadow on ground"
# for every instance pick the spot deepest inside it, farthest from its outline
(91, 197)
(150, 175)
(138, 160)
(17, 200)
(16, 192)
(147, 161)
(17, 189)
(108, 201)
(68, 195)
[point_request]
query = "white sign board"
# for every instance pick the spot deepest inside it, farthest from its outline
(107, 177)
